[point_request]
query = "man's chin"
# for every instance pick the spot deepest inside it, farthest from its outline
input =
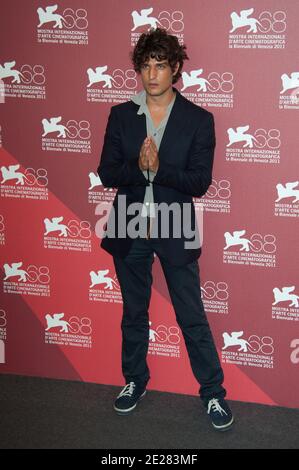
(153, 90)
(157, 90)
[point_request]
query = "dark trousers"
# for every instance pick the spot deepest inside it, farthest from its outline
(134, 274)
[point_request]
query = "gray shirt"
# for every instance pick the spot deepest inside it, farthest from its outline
(148, 208)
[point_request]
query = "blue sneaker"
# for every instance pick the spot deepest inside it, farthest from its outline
(128, 398)
(220, 414)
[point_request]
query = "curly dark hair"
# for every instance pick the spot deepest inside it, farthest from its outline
(159, 45)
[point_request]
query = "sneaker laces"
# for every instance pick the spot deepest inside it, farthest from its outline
(215, 406)
(127, 390)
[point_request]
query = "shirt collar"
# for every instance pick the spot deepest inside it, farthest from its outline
(140, 99)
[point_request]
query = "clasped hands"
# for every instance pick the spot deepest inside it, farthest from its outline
(148, 156)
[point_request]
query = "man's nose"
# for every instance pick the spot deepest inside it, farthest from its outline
(152, 73)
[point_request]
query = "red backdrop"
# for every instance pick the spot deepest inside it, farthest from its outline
(62, 68)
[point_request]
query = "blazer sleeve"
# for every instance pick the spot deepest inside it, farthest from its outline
(114, 170)
(197, 177)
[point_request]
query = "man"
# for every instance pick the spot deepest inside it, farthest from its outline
(158, 150)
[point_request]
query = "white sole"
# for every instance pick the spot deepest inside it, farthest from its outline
(225, 427)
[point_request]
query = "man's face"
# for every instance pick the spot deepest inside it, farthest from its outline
(157, 76)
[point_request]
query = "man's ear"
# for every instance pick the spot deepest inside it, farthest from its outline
(176, 68)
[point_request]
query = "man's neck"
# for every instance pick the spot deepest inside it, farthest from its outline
(161, 101)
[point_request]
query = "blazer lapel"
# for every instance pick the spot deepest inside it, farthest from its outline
(139, 128)
(175, 124)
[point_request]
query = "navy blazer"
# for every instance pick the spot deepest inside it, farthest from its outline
(186, 157)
